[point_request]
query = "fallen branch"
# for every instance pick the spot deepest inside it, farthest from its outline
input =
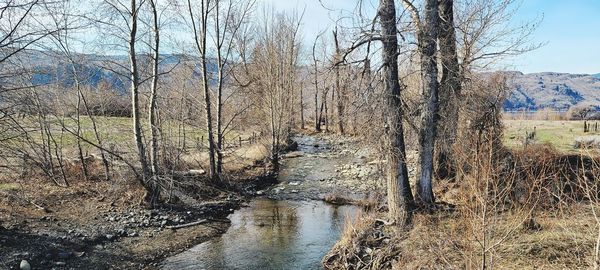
(175, 227)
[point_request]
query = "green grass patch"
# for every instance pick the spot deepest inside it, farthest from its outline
(9, 186)
(559, 134)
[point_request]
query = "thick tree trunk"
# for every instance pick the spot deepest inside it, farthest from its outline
(450, 89)
(400, 199)
(427, 46)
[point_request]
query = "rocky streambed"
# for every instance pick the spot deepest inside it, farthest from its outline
(288, 226)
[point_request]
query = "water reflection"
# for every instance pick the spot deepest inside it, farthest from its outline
(270, 235)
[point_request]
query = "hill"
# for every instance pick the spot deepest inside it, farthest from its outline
(557, 91)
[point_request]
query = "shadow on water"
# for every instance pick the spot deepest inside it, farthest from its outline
(270, 234)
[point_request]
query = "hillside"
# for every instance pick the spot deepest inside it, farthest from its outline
(552, 90)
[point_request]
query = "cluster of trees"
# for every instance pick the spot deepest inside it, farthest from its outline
(448, 48)
(204, 64)
(215, 64)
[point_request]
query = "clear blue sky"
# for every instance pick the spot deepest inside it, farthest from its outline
(570, 29)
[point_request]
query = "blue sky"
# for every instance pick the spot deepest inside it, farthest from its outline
(570, 29)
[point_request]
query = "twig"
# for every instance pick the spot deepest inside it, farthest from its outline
(175, 227)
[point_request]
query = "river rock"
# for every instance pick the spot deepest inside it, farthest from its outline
(24, 265)
(197, 172)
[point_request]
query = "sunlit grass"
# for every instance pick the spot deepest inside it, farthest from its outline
(560, 134)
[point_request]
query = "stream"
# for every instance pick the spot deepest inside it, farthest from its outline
(288, 227)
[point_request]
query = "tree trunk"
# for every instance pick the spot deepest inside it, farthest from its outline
(400, 199)
(212, 172)
(152, 114)
(427, 46)
(135, 101)
(302, 107)
(340, 101)
(316, 82)
(153, 94)
(450, 89)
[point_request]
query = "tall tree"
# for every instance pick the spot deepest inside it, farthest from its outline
(199, 24)
(135, 95)
(400, 199)
(338, 89)
(152, 113)
(450, 89)
(427, 34)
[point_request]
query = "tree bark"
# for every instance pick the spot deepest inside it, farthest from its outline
(400, 199)
(135, 102)
(427, 46)
(316, 82)
(340, 101)
(450, 88)
(302, 107)
(152, 114)
(153, 93)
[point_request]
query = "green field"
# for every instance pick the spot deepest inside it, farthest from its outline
(560, 134)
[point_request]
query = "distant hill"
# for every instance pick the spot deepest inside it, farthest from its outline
(92, 69)
(557, 91)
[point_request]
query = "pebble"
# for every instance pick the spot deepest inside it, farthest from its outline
(24, 265)
(110, 237)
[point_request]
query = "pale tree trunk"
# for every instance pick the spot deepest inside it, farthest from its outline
(152, 114)
(400, 199)
(427, 133)
(450, 89)
(200, 36)
(221, 65)
(135, 100)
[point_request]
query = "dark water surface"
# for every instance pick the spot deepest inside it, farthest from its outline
(270, 234)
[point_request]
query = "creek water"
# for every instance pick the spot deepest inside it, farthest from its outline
(289, 232)
(270, 234)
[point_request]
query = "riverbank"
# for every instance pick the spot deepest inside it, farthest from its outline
(104, 224)
(288, 225)
(86, 227)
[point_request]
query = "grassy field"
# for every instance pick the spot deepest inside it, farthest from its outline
(560, 134)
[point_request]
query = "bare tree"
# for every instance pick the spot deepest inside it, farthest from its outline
(152, 113)
(200, 27)
(427, 34)
(338, 88)
(274, 71)
(400, 199)
(450, 90)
